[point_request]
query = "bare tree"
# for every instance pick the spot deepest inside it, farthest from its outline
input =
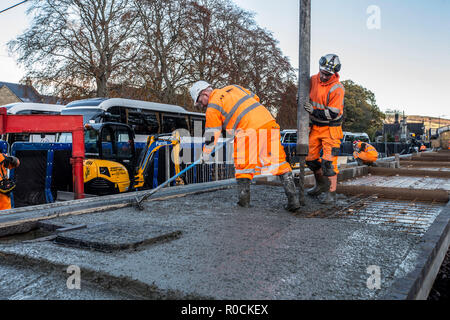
(78, 44)
(150, 49)
(226, 46)
(287, 114)
(162, 29)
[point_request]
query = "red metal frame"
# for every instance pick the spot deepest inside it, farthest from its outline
(52, 124)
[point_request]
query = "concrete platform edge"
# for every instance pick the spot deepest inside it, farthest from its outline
(435, 243)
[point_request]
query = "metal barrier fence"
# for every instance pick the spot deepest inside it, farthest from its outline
(220, 167)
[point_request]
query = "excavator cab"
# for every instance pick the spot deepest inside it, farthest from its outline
(110, 158)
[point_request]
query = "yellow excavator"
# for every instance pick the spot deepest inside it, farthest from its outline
(112, 165)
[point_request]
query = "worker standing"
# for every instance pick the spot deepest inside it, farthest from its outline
(326, 109)
(257, 146)
(6, 185)
(364, 153)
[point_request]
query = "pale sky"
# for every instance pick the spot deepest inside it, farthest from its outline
(403, 61)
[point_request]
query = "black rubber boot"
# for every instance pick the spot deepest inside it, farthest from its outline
(244, 192)
(329, 197)
(290, 189)
(321, 184)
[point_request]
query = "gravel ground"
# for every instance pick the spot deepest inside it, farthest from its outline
(441, 286)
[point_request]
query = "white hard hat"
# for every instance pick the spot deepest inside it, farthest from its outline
(197, 88)
(330, 63)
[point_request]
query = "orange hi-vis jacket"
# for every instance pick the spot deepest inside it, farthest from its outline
(328, 101)
(5, 200)
(239, 112)
(369, 154)
(232, 108)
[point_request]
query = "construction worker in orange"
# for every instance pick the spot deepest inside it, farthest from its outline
(326, 109)
(422, 148)
(364, 153)
(6, 185)
(257, 146)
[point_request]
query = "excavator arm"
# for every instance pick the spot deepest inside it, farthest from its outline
(153, 145)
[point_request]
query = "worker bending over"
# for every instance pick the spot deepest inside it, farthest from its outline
(257, 146)
(364, 153)
(6, 185)
(326, 108)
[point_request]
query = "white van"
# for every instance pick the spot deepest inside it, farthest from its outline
(33, 108)
(352, 136)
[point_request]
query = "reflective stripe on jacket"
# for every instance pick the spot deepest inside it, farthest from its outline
(327, 100)
(232, 108)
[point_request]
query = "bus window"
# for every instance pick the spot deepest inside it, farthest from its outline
(172, 123)
(136, 121)
(88, 114)
(117, 114)
(151, 122)
(43, 112)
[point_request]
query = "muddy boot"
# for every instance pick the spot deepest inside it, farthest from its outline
(244, 192)
(321, 184)
(290, 189)
(329, 197)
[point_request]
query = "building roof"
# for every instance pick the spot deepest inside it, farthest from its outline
(23, 92)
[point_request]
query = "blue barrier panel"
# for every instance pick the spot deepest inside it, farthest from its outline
(155, 169)
(3, 146)
(48, 149)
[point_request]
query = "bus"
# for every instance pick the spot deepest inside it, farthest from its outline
(145, 118)
(28, 108)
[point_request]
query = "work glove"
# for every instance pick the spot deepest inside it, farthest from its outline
(309, 107)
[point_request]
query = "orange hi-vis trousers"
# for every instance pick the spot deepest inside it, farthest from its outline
(5, 202)
(259, 152)
(327, 139)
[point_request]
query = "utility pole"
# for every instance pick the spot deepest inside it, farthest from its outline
(303, 91)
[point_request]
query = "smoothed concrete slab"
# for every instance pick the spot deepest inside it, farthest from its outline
(117, 236)
(227, 252)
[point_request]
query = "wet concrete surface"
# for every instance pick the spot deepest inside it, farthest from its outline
(228, 252)
(425, 183)
(26, 283)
